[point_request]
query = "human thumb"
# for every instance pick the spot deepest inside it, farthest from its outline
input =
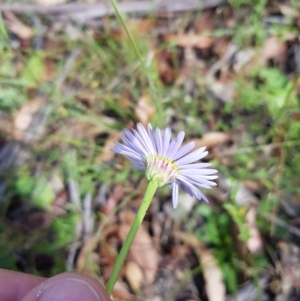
(68, 287)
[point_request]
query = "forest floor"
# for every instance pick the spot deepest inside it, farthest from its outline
(73, 75)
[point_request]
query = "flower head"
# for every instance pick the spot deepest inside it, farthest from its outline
(166, 161)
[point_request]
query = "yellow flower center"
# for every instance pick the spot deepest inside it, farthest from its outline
(160, 169)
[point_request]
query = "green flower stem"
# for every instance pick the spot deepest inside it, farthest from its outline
(152, 186)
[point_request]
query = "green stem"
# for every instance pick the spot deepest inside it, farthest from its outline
(116, 9)
(152, 186)
(3, 31)
(141, 60)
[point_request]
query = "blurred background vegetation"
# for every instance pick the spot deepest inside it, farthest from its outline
(225, 72)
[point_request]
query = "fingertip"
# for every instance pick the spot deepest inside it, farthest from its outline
(14, 285)
(68, 286)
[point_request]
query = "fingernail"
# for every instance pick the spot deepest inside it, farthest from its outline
(68, 289)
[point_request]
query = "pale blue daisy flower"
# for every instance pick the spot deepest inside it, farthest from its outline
(166, 162)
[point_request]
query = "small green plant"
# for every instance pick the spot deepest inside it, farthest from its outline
(11, 98)
(216, 233)
(35, 190)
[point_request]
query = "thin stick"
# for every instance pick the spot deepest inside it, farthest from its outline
(101, 10)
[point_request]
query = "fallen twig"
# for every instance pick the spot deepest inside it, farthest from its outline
(87, 217)
(80, 12)
(282, 224)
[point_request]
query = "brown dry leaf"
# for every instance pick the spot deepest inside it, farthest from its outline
(141, 26)
(107, 256)
(87, 97)
(121, 292)
(23, 117)
(230, 18)
(212, 139)
(113, 200)
(124, 101)
(190, 40)
(17, 27)
(6, 123)
(205, 21)
(142, 251)
(107, 249)
(224, 85)
(61, 195)
(169, 62)
(50, 68)
(57, 183)
(215, 288)
(134, 275)
(273, 49)
(127, 216)
(220, 46)
(80, 130)
(38, 220)
(107, 154)
(288, 11)
(253, 186)
(109, 230)
(167, 73)
(88, 126)
(59, 203)
(145, 109)
(138, 28)
(225, 88)
(254, 243)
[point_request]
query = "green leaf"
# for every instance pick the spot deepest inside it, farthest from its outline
(33, 70)
(37, 190)
(204, 210)
(11, 98)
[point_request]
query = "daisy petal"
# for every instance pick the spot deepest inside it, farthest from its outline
(143, 142)
(199, 182)
(158, 141)
(195, 165)
(183, 151)
(196, 192)
(135, 141)
(175, 144)
(199, 171)
(194, 156)
(166, 141)
(145, 136)
(187, 189)
(151, 136)
(138, 167)
(175, 195)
